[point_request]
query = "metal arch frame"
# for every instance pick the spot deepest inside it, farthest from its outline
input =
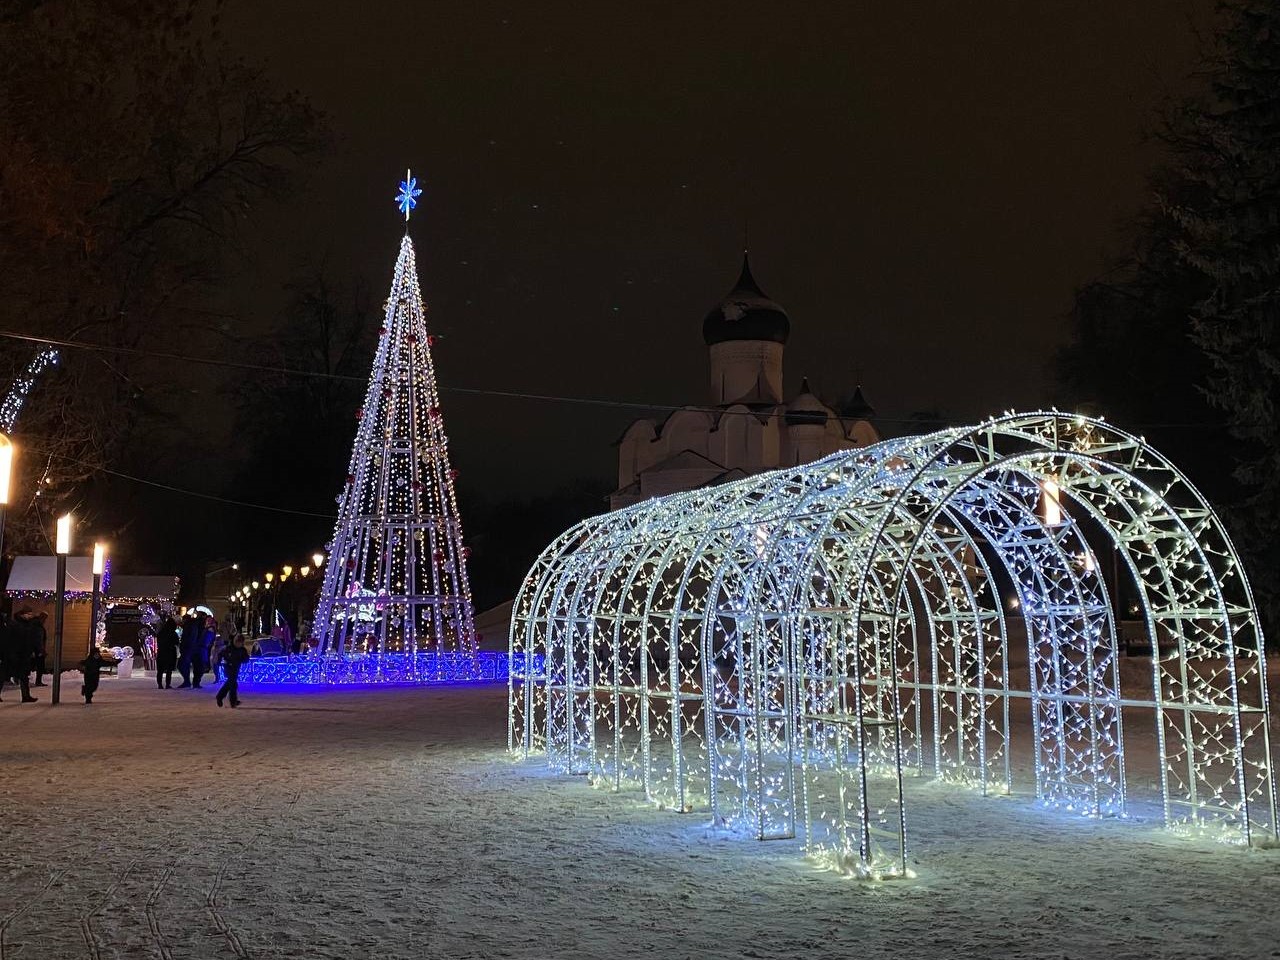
(1047, 436)
(783, 634)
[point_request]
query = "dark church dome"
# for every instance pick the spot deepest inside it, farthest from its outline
(746, 313)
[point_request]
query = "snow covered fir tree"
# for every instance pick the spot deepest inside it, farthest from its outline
(396, 591)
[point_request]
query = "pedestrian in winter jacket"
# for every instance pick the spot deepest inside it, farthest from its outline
(191, 664)
(233, 658)
(15, 657)
(167, 644)
(39, 641)
(92, 667)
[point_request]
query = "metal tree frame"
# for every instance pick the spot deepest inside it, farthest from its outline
(396, 593)
(778, 651)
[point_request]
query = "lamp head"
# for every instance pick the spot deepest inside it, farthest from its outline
(99, 559)
(62, 540)
(6, 468)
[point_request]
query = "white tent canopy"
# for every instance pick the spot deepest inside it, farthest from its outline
(40, 575)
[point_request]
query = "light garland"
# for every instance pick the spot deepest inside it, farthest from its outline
(11, 406)
(779, 651)
(387, 669)
(395, 579)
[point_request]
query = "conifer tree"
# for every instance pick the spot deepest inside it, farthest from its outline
(1228, 217)
(1181, 336)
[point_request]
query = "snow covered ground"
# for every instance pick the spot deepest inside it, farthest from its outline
(389, 824)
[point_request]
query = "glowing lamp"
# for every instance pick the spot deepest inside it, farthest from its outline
(286, 570)
(270, 577)
(1050, 504)
(317, 560)
(63, 537)
(302, 572)
(99, 559)
(255, 584)
(6, 469)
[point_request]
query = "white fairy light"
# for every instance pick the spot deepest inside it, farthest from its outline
(395, 574)
(779, 651)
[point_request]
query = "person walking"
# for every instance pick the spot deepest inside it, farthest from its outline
(198, 655)
(26, 639)
(232, 659)
(91, 666)
(190, 641)
(167, 644)
(216, 651)
(40, 639)
(209, 639)
(15, 658)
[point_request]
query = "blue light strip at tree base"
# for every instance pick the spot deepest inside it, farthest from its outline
(367, 670)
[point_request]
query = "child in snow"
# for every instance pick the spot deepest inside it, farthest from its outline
(232, 658)
(92, 667)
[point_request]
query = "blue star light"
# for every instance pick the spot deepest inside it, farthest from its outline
(407, 198)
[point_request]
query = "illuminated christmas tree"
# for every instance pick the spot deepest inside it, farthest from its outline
(395, 584)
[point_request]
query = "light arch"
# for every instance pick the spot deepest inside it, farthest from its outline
(779, 650)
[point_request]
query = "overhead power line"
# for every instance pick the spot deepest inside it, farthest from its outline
(465, 391)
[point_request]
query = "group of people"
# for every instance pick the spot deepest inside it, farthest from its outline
(198, 648)
(22, 651)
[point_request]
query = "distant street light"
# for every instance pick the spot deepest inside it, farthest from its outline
(99, 568)
(317, 560)
(62, 546)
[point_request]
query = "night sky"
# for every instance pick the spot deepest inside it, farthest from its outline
(923, 187)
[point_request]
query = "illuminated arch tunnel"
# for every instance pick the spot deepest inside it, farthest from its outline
(780, 651)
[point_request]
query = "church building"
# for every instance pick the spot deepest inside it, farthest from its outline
(749, 426)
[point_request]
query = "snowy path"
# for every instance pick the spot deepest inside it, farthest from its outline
(391, 824)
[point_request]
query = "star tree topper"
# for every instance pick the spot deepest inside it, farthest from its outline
(407, 198)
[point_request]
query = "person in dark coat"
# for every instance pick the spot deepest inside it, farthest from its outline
(40, 640)
(91, 666)
(24, 636)
(15, 657)
(167, 644)
(191, 636)
(232, 659)
(197, 656)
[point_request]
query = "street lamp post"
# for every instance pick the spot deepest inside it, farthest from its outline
(270, 624)
(255, 603)
(62, 547)
(99, 568)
